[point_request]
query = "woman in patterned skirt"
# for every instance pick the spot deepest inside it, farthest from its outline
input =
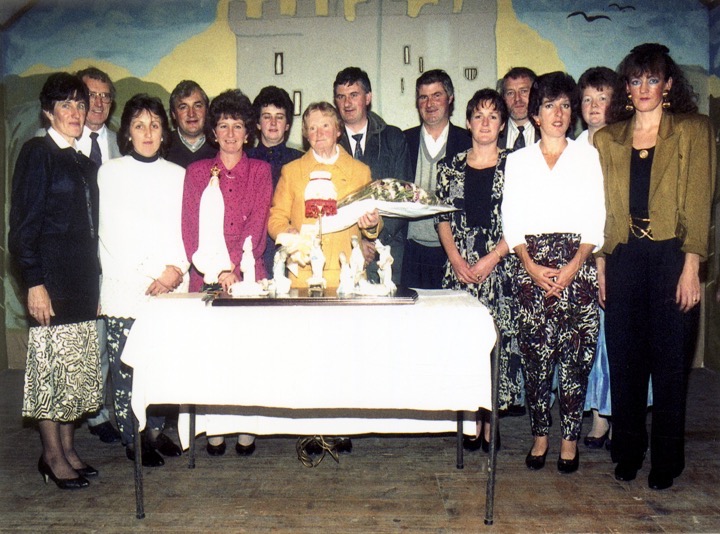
(53, 238)
(553, 217)
(478, 260)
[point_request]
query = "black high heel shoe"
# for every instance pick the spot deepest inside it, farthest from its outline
(569, 466)
(536, 462)
(62, 483)
(87, 471)
(485, 444)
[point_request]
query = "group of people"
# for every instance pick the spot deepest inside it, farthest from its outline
(548, 230)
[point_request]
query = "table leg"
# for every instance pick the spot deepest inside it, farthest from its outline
(460, 459)
(137, 444)
(191, 459)
(492, 461)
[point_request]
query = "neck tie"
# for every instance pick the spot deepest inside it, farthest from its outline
(520, 141)
(358, 147)
(95, 154)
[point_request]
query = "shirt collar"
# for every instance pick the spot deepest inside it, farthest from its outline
(192, 147)
(60, 140)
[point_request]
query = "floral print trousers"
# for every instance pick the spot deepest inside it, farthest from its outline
(558, 332)
(118, 329)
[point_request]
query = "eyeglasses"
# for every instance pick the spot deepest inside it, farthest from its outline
(105, 97)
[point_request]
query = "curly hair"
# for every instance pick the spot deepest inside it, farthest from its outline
(552, 86)
(234, 104)
(134, 107)
(490, 96)
(654, 59)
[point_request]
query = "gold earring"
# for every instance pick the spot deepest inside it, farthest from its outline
(629, 106)
(666, 102)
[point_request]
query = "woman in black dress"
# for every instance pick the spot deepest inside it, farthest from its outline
(53, 238)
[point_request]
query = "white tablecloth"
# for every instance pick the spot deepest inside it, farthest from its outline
(315, 369)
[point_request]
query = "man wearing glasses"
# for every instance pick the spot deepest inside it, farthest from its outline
(99, 143)
(102, 100)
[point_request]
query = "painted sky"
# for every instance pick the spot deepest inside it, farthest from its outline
(610, 40)
(118, 32)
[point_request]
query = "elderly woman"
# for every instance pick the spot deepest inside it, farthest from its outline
(322, 129)
(553, 216)
(53, 238)
(478, 256)
(226, 200)
(141, 249)
(659, 171)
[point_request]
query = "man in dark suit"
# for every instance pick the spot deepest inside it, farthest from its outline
(520, 130)
(378, 145)
(436, 138)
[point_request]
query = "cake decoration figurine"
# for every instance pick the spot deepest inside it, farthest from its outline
(357, 261)
(248, 287)
(385, 266)
(316, 283)
(280, 282)
(347, 280)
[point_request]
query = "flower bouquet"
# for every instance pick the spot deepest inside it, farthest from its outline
(391, 197)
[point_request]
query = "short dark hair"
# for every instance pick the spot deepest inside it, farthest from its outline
(436, 76)
(96, 74)
(515, 73)
(326, 108)
(493, 98)
(134, 107)
(58, 87)
(600, 78)
(278, 97)
(232, 103)
(552, 86)
(351, 75)
(183, 90)
(654, 58)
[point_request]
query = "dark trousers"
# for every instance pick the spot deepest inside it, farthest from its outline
(647, 335)
(423, 267)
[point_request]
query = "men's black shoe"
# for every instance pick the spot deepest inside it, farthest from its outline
(343, 446)
(515, 410)
(106, 432)
(165, 446)
(150, 457)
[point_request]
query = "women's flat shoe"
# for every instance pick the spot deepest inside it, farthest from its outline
(625, 472)
(596, 443)
(245, 450)
(659, 480)
(87, 471)
(535, 462)
(569, 466)
(216, 450)
(62, 483)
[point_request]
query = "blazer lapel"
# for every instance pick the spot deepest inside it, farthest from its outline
(620, 152)
(666, 150)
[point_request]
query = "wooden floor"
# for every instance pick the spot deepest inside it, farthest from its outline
(387, 484)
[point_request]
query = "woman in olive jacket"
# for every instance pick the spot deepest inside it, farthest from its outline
(659, 168)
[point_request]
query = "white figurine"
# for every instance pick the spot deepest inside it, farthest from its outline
(357, 261)
(280, 280)
(247, 262)
(347, 281)
(317, 264)
(385, 266)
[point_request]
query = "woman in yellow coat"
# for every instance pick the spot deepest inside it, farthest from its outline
(332, 169)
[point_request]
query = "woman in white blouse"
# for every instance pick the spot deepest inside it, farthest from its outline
(553, 216)
(141, 249)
